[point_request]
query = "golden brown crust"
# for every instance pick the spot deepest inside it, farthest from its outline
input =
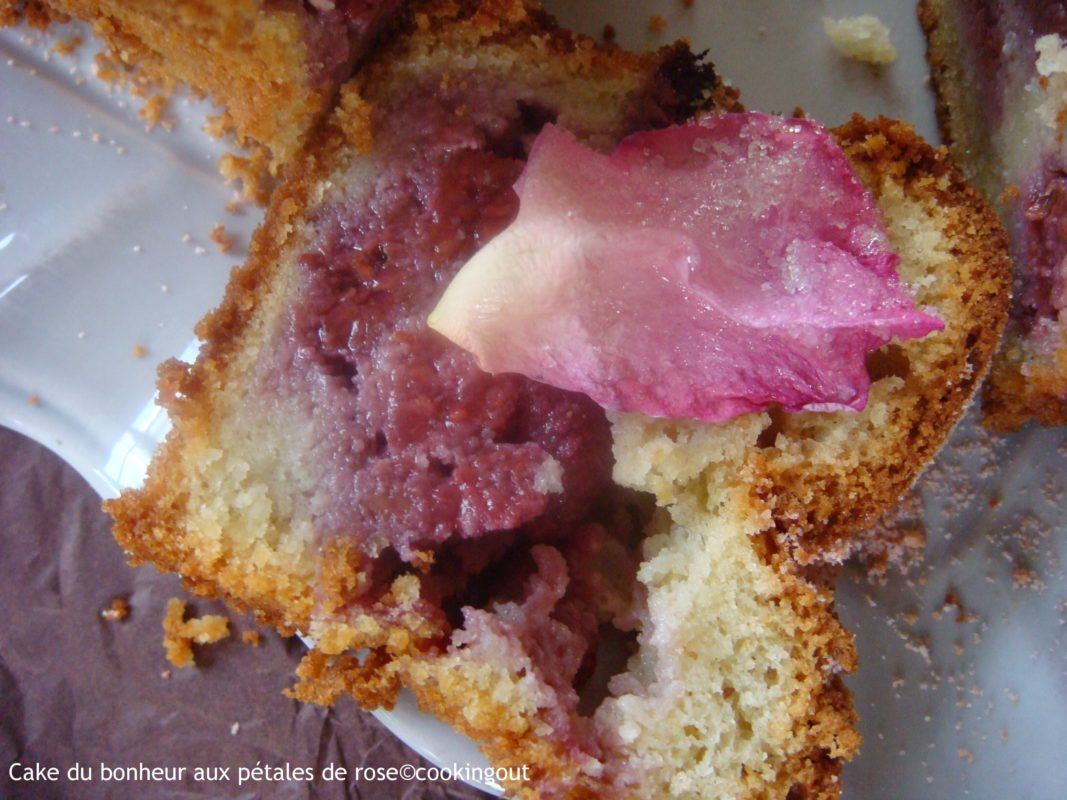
(829, 506)
(251, 57)
(1022, 387)
(941, 70)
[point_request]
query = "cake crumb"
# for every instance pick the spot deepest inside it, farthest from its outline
(249, 173)
(656, 23)
(153, 112)
(1009, 195)
(965, 754)
(34, 400)
(251, 638)
(117, 611)
(179, 634)
(863, 38)
(165, 674)
(139, 351)
(65, 47)
(217, 126)
(221, 237)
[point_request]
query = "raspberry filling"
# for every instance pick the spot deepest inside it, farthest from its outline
(1039, 287)
(340, 32)
(430, 447)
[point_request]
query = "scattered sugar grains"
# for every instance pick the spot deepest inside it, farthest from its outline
(862, 38)
(179, 634)
(117, 611)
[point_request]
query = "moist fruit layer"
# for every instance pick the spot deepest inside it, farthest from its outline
(422, 447)
(339, 33)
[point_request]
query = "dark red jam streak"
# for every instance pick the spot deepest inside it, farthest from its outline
(1039, 289)
(1004, 33)
(423, 448)
(340, 36)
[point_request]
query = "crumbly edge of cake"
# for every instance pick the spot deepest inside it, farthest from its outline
(251, 61)
(1025, 382)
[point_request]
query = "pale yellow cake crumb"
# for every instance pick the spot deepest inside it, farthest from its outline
(251, 638)
(180, 634)
(862, 38)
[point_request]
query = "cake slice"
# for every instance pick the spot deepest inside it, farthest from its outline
(626, 606)
(1000, 70)
(274, 66)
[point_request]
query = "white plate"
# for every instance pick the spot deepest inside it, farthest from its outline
(104, 247)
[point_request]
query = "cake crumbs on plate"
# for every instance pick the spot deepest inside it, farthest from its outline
(64, 47)
(250, 173)
(251, 638)
(139, 351)
(117, 611)
(180, 634)
(33, 400)
(863, 38)
(218, 126)
(656, 23)
(153, 113)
